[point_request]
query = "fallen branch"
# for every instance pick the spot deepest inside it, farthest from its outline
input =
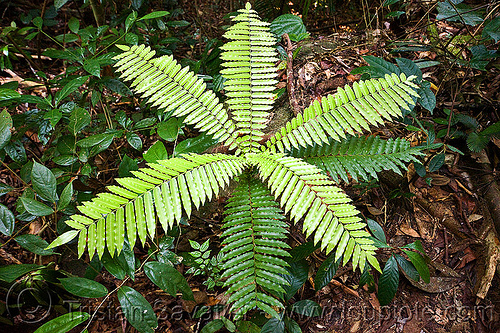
(289, 76)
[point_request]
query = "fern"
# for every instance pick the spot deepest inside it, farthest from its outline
(253, 245)
(291, 164)
(349, 110)
(361, 157)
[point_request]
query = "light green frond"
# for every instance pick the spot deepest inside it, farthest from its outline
(253, 248)
(306, 192)
(169, 86)
(350, 110)
(250, 74)
(160, 191)
(361, 157)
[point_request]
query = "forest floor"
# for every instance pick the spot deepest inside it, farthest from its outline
(453, 215)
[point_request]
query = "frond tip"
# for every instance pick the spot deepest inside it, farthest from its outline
(253, 247)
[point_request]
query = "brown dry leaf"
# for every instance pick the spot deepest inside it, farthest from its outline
(408, 231)
(374, 211)
(355, 326)
(439, 180)
(467, 258)
(374, 302)
(495, 141)
(475, 217)
(346, 288)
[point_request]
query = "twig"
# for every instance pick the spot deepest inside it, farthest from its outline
(289, 76)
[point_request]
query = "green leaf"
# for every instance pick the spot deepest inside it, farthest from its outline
(195, 145)
(292, 326)
(59, 3)
(477, 142)
(79, 119)
(130, 20)
(168, 278)
(5, 126)
(70, 87)
(92, 66)
(94, 140)
(63, 239)
(273, 325)
(118, 87)
(4, 189)
(388, 282)
(12, 272)
(36, 208)
(34, 244)
(436, 162)
(38, 21)
(74, 25)
(156, 152)
(83, 287)
(302, 251)
(127, 164)
(409, 68)
(457, 13)
(122, 265)
(246, 326)
(376, 230)
(427, 98)
(53, 115)
(137, 310)
(66, 196)
(288, 24)
(7, 221)
(64, 323)
(134, 140)
(416, 245)
(307, 308)
(419, 262)
(44, 182)
(65, 160)
(407, 267)
(8, 94)
(492, 29)
(381, 66)
(153, 15)
(297, 276)
(169, 130)
(16, 151)
(326, 272)
(213, 326)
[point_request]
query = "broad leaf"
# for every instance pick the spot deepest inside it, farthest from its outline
(70, 87)
(376, 230)
(407, 267)
(388, 282)
(156, 152)
(64, 323)
(12, 272)
(297, 276)
(7, 221)
(137, 310)
(34, 244)
(63, 239)
(307, 308)
(66, 196)
(44, 182)
(419, 262)
(5, 126)
(83, 287)
(326, 272)
(79, 119)
(168, 278)
(36, 208)
(288, 24)
(273, 325)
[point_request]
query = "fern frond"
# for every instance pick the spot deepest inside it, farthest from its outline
(253, 247)
(170, 87)
(161, 190)
(349, 110)
(250, 75)
(361, 157)
(305, 191)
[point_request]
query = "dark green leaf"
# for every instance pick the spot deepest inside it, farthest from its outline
(127, 165)
(93, 140)
(298, 272)
(16, 151)
(65, 160)
(53, 115)
(8, 94)
(74, 25)
(169, 130)
(407, 267)
(137, 310)
(376, 230)
(118, 87)
(35, 208)
(326, 272)
(134, 140)
(366, 278)
(144, 123)
(409, 68)
(70, 87)
(83, 287)
(416, 245)
(492, 29)
(213, 326)
(302, 251)
(38, 21)
(59, 3)
(4, 189)
(156, 152)
(288, 24)
(130, 20)
(381, 66)
(292, 326)
(168, 278)
(307, 308)
(5, 126)
(245, 326)
(477, 142)
(457, 13)
(7, 221)
(44, 182)
(154, 15)
(64, 323)
(92, 66)
(66, 196)
(122, 265)
(388, 281)
(34, 244)
(419, 262)
(436, 162)
(12, 272)
(195, 145)
(427, 98)
(79, 119)
(273, 325)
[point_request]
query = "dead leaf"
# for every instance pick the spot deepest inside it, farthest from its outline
(467, 258)
(408, 231)
(374, 211)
